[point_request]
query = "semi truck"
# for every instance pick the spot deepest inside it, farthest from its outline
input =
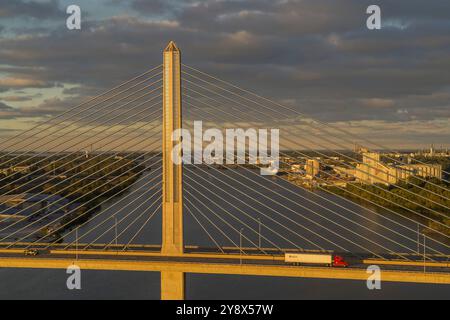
(315, 259)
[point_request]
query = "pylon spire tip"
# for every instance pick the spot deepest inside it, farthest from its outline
(172, 47)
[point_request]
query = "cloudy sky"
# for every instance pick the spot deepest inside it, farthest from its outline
(316, 56)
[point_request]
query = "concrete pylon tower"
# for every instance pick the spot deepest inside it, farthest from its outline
(172, 223)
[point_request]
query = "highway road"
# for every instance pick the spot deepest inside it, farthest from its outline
(206, 255)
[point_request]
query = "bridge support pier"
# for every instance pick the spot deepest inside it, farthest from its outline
(172, 285)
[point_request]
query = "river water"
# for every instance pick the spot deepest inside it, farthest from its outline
(226, 202)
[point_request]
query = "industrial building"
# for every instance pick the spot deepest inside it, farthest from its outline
(373, 170)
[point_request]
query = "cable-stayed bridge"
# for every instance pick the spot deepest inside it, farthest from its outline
(96, 186)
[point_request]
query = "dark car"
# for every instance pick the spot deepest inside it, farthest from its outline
(31, 252)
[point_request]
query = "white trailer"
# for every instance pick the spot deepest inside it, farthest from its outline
(306, 258)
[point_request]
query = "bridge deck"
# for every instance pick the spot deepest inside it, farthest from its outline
(214, 263)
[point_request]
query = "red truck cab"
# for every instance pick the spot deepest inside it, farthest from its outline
(338, 261)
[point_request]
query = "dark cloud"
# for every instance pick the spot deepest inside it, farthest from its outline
(151, 7)
(315, 55)
(20, 97)
(34, 9)
(275, 17)
(4, 106)
(20, 79)
(8, 112)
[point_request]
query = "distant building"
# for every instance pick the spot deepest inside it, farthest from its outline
(425, 170)
(5, 171)
(372, 170)
(312, 168)
(297, 168)
(15, 169)
(432, 151)
(21, 169)
(345, 172)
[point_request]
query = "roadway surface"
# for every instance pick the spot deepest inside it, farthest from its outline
(433, 264)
